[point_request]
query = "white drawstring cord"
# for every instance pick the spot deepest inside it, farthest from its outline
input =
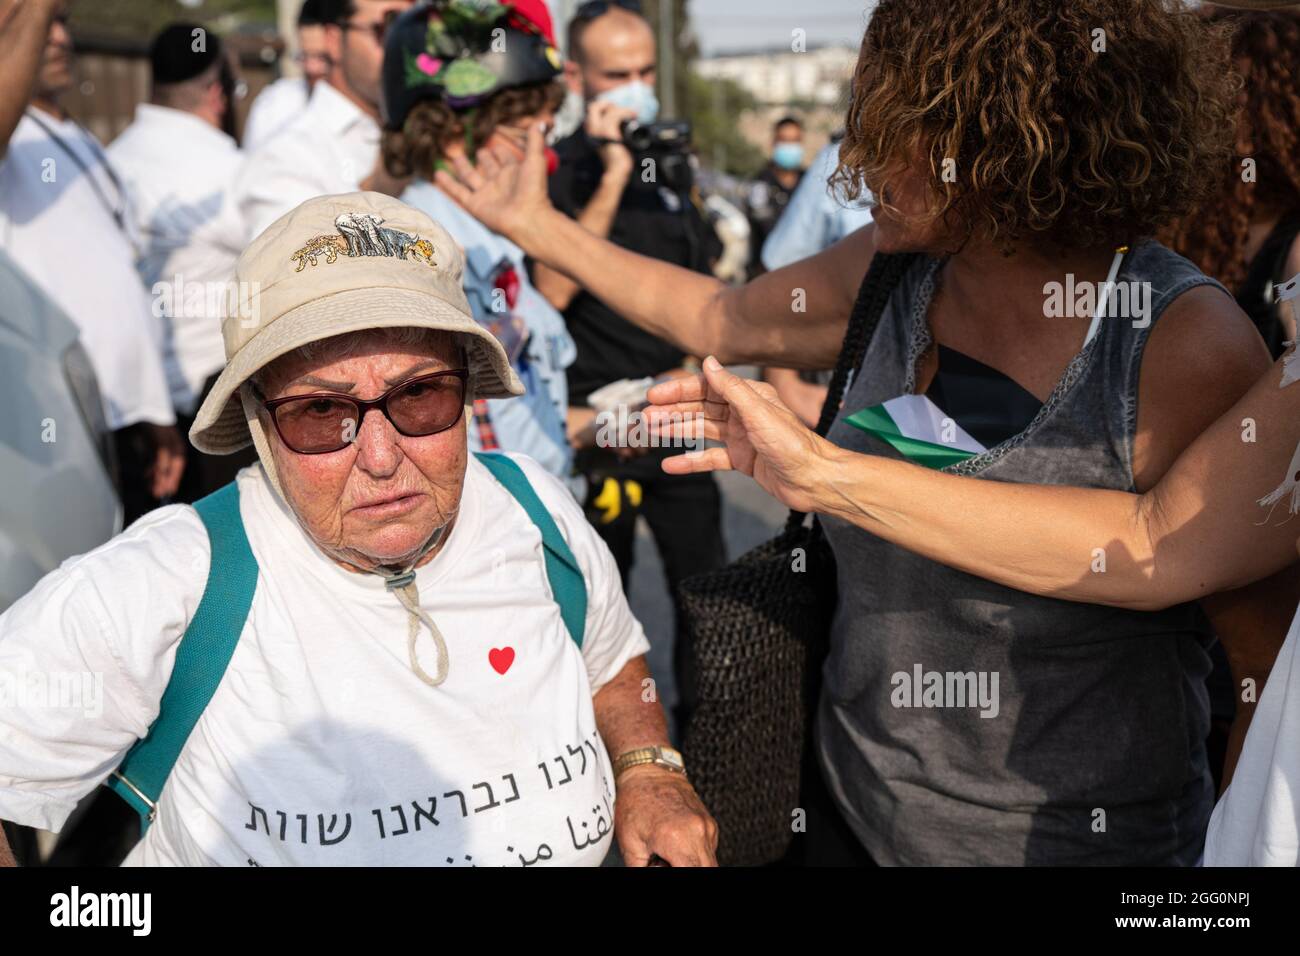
(1104, 301)
(404, 588)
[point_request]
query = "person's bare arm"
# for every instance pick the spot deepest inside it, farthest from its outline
(24, 28)
(794, 317)
(1206, 339)
(6, 854)
(657, 812)
(1198, 531)
(603, 124)
(805, 399)
(597, 218)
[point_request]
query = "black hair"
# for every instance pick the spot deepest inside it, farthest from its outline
(318, 13)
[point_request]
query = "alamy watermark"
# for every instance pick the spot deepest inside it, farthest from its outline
(1082, 299)
(53, 690)
(948, 689)
(197, 300)
(622, 428)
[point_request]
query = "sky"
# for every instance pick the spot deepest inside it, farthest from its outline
(732, 25)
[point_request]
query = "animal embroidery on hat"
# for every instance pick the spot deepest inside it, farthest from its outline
(363, 234)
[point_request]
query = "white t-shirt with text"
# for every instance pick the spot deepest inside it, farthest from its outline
(320, 745)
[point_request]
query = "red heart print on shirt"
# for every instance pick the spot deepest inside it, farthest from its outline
(501, 658)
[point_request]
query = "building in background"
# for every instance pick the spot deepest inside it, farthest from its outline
(813, 83)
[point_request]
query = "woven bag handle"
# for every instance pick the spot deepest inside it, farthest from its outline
(884, 275)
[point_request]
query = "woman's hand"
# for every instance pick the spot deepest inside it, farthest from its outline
(658, 814)
(504, 192)
(762, 438)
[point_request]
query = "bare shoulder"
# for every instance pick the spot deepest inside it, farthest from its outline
(1201, 358)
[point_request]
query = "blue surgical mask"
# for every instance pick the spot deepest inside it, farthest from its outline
(636, 96)
(788, 155)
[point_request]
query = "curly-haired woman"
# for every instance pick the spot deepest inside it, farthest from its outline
(1247, 234)
(459, 79)
(1016, 145)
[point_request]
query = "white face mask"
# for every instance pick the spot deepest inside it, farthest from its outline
(570, 117)
(636, 96)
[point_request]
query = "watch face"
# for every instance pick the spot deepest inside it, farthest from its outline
(670, 757)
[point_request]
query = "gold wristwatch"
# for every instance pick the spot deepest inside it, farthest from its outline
(664, 757)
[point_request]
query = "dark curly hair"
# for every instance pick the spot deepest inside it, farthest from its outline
(1266, 50)
(1050, 137)
(432, 124)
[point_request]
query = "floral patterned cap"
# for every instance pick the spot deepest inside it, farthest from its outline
(463, 51)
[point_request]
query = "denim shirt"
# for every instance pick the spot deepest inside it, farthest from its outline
(815, 217)
(534, 423)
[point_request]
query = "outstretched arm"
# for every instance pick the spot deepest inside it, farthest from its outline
(1197, 532)
(794, 317)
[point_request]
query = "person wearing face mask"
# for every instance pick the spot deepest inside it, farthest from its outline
(772, 188)
(616, 194)
(450, 97)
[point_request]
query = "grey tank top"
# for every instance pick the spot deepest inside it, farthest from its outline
(962, 722)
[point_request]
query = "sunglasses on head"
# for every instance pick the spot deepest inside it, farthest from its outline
(598, 8)
(324, 422)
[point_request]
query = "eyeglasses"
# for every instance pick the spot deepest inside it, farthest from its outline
(379, 29)
(323, 422)
(598, 8)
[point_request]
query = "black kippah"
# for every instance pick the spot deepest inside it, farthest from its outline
(182, 51)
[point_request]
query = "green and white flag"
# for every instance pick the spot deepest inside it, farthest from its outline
(919, 430)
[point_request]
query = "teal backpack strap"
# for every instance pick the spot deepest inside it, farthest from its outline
(201, 658)
(562, 568)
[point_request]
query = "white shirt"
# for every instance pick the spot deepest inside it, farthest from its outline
(1257, 821)
(320, 745)
(328, 149)
(179, 171)
(273, 109)
(58, 222)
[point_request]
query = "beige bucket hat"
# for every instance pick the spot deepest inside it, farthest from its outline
(333, 265)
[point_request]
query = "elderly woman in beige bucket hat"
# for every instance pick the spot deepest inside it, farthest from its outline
(373, 647)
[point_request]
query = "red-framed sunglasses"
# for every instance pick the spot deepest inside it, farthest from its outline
(323, 422)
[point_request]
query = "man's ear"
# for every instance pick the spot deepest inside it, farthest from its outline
(573, 76)
(217, 102)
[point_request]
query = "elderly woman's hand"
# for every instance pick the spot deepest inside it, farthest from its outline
(658, 814)
(761, 437)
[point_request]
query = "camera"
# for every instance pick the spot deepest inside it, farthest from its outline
(669, 143)
(656, 137)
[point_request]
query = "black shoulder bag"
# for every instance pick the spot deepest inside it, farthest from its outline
(759, 630)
